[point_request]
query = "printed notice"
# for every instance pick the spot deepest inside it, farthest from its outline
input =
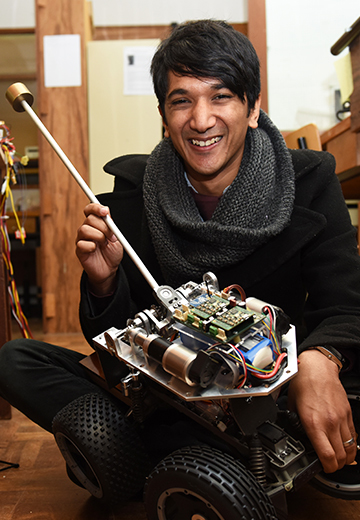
(137, 78)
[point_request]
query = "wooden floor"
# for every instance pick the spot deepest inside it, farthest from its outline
(40, 489)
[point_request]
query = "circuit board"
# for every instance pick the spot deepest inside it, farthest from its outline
(217, 317)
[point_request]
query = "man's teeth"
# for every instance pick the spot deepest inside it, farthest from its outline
(206, 143)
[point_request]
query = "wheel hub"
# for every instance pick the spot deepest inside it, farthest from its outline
(176, 503)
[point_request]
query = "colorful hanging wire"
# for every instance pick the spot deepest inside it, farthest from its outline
(8, 152)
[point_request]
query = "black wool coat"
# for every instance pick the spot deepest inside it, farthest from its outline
(311, 269)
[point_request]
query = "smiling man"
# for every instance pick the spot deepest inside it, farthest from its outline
(221, 193)
(207, 124)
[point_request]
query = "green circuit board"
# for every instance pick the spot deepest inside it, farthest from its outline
(217, 317)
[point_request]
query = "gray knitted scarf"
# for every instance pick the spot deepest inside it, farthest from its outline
(255, 207)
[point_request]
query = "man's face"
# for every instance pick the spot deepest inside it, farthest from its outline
(207, 124)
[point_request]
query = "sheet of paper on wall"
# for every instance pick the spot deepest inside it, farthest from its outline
(344, 73)
(62, 60)
(137, 78)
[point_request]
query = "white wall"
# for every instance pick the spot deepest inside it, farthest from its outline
(21, 13)
(159, 12)
(17, 13)
(301, 71)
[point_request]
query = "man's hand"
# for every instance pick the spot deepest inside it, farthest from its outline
(98, 250)
(320, 400)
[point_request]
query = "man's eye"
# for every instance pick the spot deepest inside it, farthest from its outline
(223, 96)
(179, 101)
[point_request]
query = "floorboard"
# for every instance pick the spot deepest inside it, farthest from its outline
(40, 489)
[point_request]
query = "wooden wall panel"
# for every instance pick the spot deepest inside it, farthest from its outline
(257, 36)
(63, 110)
(355, 96)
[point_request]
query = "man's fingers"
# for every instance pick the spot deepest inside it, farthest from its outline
(85, 247)
(325, 451)
(91, 233)
(336, 450)
(96, 209)
(95, 228)
(350, 446)
(349, 438)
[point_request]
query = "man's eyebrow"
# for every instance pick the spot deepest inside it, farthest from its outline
(177, 92)
(219, 86)
(183, 91)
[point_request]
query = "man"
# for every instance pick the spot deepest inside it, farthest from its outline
(220, 193)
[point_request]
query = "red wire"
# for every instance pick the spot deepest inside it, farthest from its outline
(270, 317)
(244, 367)
(238, 288)
(275, 369)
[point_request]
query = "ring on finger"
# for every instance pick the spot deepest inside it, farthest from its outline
(349, 443)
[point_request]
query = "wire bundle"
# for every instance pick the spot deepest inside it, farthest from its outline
(8, 152)
(232, 352)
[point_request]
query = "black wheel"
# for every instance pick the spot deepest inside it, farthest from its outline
(101, 448)
(344, 483)
(202, 483)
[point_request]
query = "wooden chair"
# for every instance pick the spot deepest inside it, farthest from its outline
(307, 136)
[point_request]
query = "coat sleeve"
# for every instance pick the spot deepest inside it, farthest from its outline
(96, 315)
(331, 268)
(99, 314)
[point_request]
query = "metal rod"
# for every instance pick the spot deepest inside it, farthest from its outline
(20, 99)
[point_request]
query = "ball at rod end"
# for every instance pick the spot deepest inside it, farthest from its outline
(16, 93)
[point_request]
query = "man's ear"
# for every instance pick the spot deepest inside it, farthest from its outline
(255, 113)
(166, 130)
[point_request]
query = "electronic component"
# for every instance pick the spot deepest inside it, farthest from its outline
(209, 340)
(260, 354)
(217, 317)
(191, 367)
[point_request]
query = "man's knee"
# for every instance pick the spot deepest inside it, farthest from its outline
(10, 353)
(18, 358)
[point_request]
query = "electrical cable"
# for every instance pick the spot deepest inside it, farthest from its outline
(238, 288)
(8, 152)
(228, 351)
(274, 371)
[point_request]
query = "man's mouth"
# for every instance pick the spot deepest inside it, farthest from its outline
(205, 143)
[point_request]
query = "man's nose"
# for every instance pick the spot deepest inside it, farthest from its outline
(202, 117)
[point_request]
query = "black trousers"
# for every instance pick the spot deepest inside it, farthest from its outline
(39, 379)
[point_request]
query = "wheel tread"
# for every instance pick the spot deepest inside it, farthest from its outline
(211, 473)
(108, 441)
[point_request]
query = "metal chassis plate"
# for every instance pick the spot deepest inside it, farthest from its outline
(136, 359)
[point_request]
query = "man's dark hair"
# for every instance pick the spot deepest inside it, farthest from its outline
(208, 49)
